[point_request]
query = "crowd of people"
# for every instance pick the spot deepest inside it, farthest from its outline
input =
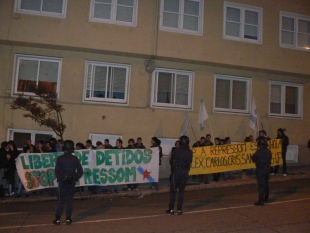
(11, 185)
(206, 141)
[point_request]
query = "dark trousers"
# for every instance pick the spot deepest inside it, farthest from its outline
(263, 184)
(66, 194)
(178, 183)
(276, 168)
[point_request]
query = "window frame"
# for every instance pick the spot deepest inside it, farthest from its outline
(101, 137)
(296, 19)
(283, 85)
(33, 133)
(17, 9)
(242, 8)
(181, 12)
(17, 59)
(231, 78)
(113, 15)
(155, 104)
(111, 101)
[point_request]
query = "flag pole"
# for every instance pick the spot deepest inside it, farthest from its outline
(211, 128)
(194, 134)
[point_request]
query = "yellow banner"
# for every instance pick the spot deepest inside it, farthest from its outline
(230, 157)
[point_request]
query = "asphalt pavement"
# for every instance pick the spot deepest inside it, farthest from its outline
(295, 172)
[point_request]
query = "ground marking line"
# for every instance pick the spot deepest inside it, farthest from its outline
(13, 213)
(155, 215)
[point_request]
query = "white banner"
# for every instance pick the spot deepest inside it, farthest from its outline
(101, 167)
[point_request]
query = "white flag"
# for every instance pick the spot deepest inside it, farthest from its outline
(203, 114)
(185, 125)
(253, 117)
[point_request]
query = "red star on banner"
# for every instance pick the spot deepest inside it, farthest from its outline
(146, 174)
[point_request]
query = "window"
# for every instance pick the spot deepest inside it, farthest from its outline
(172, 88)
(101, 137)
(122, 12)
(106, 82)
(242, 23)
(20, 136)
(295, 31)
(285, 99)
(185, 16)
(54, 8)
(167, 144)
(32, 71)
(232, 94)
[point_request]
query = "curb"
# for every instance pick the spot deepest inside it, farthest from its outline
(163, 189)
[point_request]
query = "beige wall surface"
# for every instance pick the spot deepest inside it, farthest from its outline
(138, 119)
(76, 40)
(76, 32)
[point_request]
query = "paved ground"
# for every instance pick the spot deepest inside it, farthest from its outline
(220, 210)
(295, 172)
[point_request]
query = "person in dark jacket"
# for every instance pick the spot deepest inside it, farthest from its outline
(180, 162)
(262, 160)
(285, 142)
(68, 170)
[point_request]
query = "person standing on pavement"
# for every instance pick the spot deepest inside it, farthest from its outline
(285, 142)
(262, 160)
(68, 170)
(180, 162)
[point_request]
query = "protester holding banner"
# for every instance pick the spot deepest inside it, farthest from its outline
(68, 171)
(262, 159)
(285, 142)
(156, 143)
(180, 162)
(228, 175)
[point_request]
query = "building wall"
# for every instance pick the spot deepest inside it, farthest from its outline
(76, 40)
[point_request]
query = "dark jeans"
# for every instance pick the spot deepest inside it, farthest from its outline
(263, 185)
(178, 183)
(284, 170)
(66, 193)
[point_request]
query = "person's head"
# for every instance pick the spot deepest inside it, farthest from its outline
(202, 140)
(227, 140)
(262, 142)
(32, 148)
(184, 141)
(40, 144)
(79, 146)
(177, 143)
(88, 143)
(208, 137)
(53, 141)
(131, 142)
(119, 143)
(11, 145)
(26, 149)
(98, 143)
(28, 141)
(247, 139)
(68, 146)
(139, 140)
(222, 141)
(155, 141)
(106, 142)
(3, 144)
(48, 145)
(217, 141)
(262, 133)
(280, 132)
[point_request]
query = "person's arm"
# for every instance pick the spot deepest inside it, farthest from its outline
(79, 170)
